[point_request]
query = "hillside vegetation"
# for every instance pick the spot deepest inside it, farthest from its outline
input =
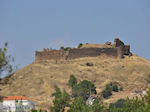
(37, 80)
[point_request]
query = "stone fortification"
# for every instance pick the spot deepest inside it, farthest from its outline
(48, 54)
(92, 52)
(116, 50)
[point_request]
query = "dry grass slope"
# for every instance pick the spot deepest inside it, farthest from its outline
(37, 80)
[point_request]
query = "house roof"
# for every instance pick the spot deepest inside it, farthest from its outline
(15, 98)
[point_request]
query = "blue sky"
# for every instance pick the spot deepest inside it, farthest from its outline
(30, 25)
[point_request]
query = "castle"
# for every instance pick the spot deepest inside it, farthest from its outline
(116, 50)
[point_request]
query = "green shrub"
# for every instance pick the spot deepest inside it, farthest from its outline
(115, 88)
(79, 105)
(121, 88)
(33, 110)
(109, 87)
(6, 60)
(112, 87)
(62, 47)
(106, 93)
(67, 49)
(148, 78)
(61, 100)
(108, 90)
(72, 81)
(80, 45)
(118, 104)
(129, 105)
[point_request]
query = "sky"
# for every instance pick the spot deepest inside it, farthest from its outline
(30, 25)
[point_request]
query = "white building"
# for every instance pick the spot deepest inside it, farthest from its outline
(1, 106)
(18, 104)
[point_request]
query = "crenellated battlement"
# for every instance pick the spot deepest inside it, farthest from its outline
(116, 50)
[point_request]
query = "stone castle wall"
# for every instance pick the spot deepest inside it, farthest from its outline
(118, 50)
(48, 55)
(92, 52)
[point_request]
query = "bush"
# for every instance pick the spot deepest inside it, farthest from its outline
(115, 88)
(72, 81)
(118, 104)
(109, 87)
(129, 105)
(80, 45)
(106, 93)
(148, 78)
(34, 110)
(112, 87)
(108, 90)
(67, 49)
(62, 47)
(121, 88)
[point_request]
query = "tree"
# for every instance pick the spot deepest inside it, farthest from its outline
(79, 105)
(5, 60)
(97, 107)
(61, 100)
(129, 105)
(72, 81)
(148, 97)
(84, 89)
(148, 100)
(148, 78)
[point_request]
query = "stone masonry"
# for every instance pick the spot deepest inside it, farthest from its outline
(116, 50)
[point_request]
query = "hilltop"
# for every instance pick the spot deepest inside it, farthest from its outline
(37, 80)
(99, 63)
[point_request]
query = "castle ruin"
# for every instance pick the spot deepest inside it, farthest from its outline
(116, 50)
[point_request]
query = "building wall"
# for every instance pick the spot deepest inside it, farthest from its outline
(1, 106)
(77, 53)
(92, 52)
(47, 55)
(118, 43)
(11, 104)
(116, 50)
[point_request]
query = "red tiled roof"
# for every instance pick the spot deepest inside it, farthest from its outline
(15, 98)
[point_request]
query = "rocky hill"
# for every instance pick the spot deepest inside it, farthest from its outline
(37, 80)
